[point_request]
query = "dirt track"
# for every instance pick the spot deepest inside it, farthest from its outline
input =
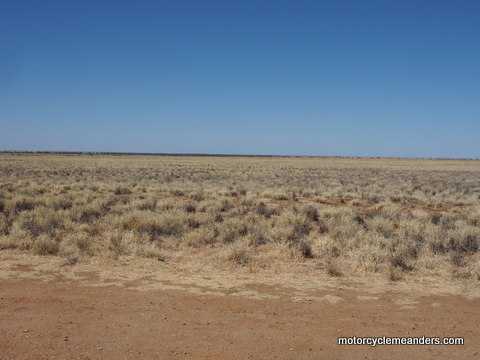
(63, 318)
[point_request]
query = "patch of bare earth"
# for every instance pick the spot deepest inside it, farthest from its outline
(137, 308)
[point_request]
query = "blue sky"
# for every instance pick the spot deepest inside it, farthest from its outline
(347, 78)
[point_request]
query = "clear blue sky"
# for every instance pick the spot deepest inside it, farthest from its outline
(360, 78)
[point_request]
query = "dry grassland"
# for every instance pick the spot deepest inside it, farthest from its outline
(394, 217)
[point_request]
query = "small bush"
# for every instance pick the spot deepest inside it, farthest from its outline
(167, 224)
(323, 228)
(242, 191)
(41, 222)
(192, 222)
(198, 196)
(301, 227)
(71, 260)
(4, 226)
(263, 210)
(448, 222)
(399, 261)
(280, 197)
(381, 225)
(311, 213)
(395, 273)
(200, 237)
(225, 206)
(177, 192)
(120, 243)
(45, 245)
(334, 268)
(232, 229)
(359, 219)
(438, 247)
(305, 249)
(465, 240)
(88, 216)
(458, 258)
(238, 254)
(190, 209)
(122, 191)
(24, 204)
(84, 244)
(147, 205)
(61, 204)
(435, 219)
(258, 232)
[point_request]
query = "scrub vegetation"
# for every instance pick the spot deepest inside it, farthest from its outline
(341, 216)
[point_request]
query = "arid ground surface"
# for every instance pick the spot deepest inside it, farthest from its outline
(125, 257)
(139, 309)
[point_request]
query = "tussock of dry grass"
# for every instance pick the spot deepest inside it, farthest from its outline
(394, 217)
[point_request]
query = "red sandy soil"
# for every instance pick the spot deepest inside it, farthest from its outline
(60, 318)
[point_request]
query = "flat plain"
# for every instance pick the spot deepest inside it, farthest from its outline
(216, 254)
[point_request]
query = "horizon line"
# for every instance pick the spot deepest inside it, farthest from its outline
(53, 152)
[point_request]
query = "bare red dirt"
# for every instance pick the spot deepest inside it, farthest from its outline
(59, 319)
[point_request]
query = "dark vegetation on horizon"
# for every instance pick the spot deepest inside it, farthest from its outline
(221, 155)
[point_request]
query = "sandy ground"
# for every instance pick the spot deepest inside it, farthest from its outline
(139, 309)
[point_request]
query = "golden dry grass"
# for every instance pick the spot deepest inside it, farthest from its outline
(397, 217)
